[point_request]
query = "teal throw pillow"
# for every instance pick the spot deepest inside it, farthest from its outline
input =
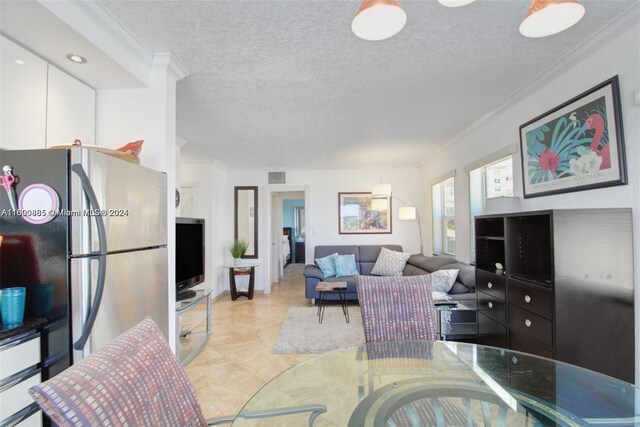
(327, 265)
(346, 265)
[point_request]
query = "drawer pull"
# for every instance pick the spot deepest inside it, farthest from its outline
(527, 299)
(527, 323)
(489, 285)
(490, 304)
(514, 360)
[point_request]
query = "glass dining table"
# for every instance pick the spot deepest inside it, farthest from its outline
(441, 383)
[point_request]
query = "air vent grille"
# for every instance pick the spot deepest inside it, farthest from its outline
(277, 178)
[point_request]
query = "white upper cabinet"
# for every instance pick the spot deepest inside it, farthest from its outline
(23, 97)
(71, 110)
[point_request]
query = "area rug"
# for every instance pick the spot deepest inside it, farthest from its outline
(301, 332)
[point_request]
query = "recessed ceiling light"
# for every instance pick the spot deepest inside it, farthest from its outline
(76, 58)
(19, 61)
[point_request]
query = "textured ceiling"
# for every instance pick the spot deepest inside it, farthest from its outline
(285, 84)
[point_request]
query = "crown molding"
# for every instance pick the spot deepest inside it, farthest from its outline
(579, 54)
(180, 141)
(169, 63)
(203, 161)
(95, 22)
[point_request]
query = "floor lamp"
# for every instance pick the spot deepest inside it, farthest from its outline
(410, 213)
(380, 193)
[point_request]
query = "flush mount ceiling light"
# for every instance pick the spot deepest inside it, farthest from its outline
(548, 17)
(76, 58)
(378, 19)
(455, 3)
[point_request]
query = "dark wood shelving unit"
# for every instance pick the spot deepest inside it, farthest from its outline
(566, 288)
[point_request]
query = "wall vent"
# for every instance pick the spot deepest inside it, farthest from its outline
(277, 178)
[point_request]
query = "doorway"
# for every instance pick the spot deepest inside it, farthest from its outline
(289, 231)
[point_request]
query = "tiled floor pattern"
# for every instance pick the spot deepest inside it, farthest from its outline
(238, 360)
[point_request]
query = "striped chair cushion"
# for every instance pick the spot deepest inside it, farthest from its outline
(135, 380)
(397, 308)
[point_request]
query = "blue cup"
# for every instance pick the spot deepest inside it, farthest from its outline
(12, 306)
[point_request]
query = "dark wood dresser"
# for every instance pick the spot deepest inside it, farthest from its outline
(566, 288)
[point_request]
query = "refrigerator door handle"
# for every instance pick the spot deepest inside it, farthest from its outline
(100, 255)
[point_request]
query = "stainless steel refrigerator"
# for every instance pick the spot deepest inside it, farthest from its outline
(86, 233)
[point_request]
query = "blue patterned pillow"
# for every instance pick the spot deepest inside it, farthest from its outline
(346, 265)
(327, 265)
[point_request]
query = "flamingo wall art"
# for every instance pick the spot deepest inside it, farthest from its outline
(578, 145)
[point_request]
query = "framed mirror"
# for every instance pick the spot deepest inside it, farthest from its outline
(246, 218)
(298, 223)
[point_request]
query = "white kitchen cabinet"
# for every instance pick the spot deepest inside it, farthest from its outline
(23, 97)
(71, 110)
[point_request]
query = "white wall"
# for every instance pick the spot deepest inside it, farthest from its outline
(323, 187)
(210, 179)
(620, 56)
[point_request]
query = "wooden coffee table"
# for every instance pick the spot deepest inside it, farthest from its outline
(326, 288)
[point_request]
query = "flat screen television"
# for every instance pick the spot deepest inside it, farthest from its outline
(189, 255)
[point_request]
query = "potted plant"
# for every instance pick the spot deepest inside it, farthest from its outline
(238, 249)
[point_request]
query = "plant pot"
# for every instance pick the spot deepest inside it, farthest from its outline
(237, 261)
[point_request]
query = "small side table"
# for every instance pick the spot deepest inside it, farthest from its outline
(324, 289)
(242, 269)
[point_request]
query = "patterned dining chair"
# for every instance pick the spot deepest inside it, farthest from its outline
(137, 381)
(397, 308)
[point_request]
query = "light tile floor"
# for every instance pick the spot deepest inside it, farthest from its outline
(238, 360)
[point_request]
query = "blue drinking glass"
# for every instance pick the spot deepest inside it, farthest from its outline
(12, 306)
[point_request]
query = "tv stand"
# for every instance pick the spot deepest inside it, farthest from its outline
(181, 296)
(193, 323)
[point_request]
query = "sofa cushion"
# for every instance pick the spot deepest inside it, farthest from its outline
(443, 280)
(327, 265)
(390, 263)
(369, 256)
(430, 263)
(458, 288)
(345, 265)
(466, 275)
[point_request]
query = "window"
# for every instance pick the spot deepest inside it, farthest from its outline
(491, 180)
(444, 222)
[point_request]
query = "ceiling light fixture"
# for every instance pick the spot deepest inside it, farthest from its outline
(548, 17)
(76, 58)
(455, 3)
(378, 19)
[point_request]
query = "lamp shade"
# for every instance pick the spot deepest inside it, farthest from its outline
(455, 3)
(378, 19)
(379, 204)
(407, 212)
(381, 190)
(547, 17)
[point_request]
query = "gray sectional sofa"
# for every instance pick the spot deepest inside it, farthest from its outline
(366, 255)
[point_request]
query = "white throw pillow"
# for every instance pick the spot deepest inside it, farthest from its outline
(390, 263)
(443, 280)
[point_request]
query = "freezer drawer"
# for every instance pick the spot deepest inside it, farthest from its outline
(136, 286)
(132, 201)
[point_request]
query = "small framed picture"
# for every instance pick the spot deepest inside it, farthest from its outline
(360, 213)
(578, 145)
